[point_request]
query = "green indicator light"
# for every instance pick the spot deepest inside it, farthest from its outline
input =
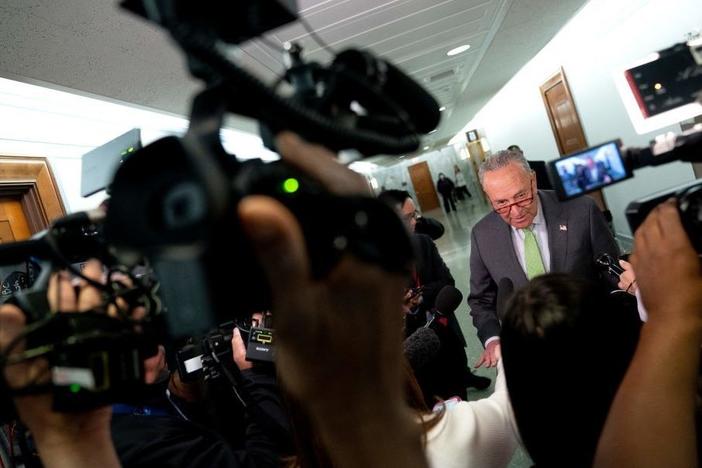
(74, 388)
(291, 185)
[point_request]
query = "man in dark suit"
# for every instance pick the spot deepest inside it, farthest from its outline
(530, 232)
(449, 373)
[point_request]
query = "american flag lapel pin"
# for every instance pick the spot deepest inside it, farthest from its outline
(562, 227)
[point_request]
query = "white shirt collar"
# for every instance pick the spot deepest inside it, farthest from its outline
(538, 219)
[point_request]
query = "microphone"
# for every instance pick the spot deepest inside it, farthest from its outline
(421, 347)
(505, 289)
(446, 303)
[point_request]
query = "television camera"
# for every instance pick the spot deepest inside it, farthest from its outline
(668, 82)
(173, 204)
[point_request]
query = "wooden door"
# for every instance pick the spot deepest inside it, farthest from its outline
(565, 121)
(477, 156)
(13, 221)
(424, 186)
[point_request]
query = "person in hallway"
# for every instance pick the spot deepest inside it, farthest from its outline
(445, 187)
(461, 188)
(556, 318)
(528, 233)
(431, 274)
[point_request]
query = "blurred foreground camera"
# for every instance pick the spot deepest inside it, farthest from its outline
(669, 81)
(174, 207)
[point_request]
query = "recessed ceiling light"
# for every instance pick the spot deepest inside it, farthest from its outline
(458, 50)
(442, 108)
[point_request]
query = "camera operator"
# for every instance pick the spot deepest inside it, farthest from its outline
(652, 419)
(560, 408)
(63, 439)
(351, 391)
(449, 374)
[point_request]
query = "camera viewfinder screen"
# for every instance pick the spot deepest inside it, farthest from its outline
(591, 169)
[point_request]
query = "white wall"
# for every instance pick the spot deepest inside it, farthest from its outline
(605, 36)
(37, 121)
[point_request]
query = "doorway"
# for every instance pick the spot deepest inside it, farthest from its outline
(13, 222)
(424, 186)
(565, 121)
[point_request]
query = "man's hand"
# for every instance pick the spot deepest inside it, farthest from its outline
(338, 339)
(79, 439)
(239, 351)
(668, 268)
(491, 355)
(627, 280)
(411, 300)
(661, 380)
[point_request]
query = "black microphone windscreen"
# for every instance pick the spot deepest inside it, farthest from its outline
(419, 104)
(448, 300)
(421, 347)
(505, 289)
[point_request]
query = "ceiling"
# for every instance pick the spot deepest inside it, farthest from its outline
(92, 47)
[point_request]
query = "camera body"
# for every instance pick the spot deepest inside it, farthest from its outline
(689, 201)
(174, 204)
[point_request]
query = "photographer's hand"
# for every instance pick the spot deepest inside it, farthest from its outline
(239, 351)
(339, 339)
(627, 280)
(63, 440)
(660, 384)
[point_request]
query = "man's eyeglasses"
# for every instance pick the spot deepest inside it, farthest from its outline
(521, 200)
(410, 216)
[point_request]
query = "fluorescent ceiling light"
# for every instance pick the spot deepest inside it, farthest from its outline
(458, 50)
(442, 108)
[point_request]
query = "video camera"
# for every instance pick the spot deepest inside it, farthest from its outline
(205, 357)
(174, 202)
(669, 82)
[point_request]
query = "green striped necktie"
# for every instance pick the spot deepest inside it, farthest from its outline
(532, 254)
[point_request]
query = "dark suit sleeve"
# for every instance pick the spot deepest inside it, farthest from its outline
(483, 295)
(437, 271)
(601, 237)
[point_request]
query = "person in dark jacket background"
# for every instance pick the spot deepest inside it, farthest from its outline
(445, 186)
(450, 375)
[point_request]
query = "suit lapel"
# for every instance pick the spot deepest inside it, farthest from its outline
(557, 224)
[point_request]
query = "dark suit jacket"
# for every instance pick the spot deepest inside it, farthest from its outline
(431, 269)
(577, 234)
(433, 275)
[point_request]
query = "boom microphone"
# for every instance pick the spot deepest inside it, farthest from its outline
(421, 347)
(448, 300)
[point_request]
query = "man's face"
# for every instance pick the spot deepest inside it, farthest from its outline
(409, 214)
(512, 185)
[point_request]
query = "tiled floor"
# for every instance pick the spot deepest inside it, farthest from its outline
(454, 247)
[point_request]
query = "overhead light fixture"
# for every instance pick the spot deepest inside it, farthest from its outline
(442, 108)
(426, 148)
(433, 131)
(458, 50)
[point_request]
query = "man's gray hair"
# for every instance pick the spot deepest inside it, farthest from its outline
(500, 160)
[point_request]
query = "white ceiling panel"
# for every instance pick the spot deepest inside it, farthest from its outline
(93, 47)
